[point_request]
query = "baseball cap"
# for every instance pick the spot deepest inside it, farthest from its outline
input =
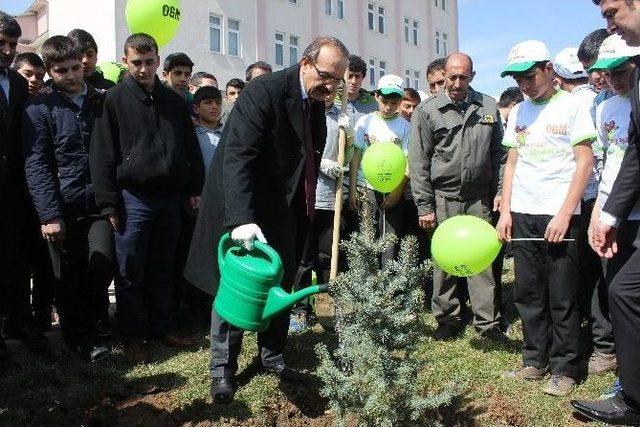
(207, 92)
(613, 52)
(389, 84)
(567, 65)
(525, 55)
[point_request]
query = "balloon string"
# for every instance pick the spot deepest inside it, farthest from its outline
(536, 239)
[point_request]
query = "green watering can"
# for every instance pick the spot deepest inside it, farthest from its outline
(249, 295)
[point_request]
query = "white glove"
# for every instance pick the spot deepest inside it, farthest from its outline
(330, 168)
(345, 122)
(246, 234)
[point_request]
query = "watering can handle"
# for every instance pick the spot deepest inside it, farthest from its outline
(223, 245)
(274, 257)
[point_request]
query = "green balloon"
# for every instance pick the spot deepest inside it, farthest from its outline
(158, 18)
(384, 165)
(111, 70)
(464, 245)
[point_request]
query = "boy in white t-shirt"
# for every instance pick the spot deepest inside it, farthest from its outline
(549, 138)
(385, 126)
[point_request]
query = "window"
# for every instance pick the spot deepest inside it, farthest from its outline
(407, 78)
(370, 16)
(442, 44)
(445, 45)
(215, 33)
(233, 28)
(372, 73)
(442, 4)
(381, 20)
(328, 7)
(293, 50)
(280, 49)
(294, 1)
(415, 33)
(383, 68)
(406, 30)
(340, 8)
(411, 31)
(416, 80)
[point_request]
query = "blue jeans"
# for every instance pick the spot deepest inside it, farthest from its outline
(145, 248)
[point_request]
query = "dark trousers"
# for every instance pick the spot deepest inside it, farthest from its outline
(623, 274)
(83, 263)
(44, 281)
(226, 340)
(545, 295)
(593, 290)
(145, 249)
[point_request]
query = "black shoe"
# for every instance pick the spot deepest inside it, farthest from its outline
(223, 389)
(92, 353)
(287, 374)
(447, 331)
(495, 335)
(611, 411)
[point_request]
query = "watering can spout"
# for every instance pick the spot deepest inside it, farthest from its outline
(279, 300)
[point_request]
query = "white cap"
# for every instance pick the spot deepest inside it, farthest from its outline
(614, 52)
(567, 65)
(390, 83)
(525, 55)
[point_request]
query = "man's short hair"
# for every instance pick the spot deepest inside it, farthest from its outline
(512, 95)
(436, 65)
(141, 43)
(207, 92)
(9, 26)
(177, 59)
(83, 39)
(196, 78)
(411, 94)
(313, 50)
(28, 58)
(588, 50)
(357, 65)
(235, 82)
(261, 65)
(58, 49)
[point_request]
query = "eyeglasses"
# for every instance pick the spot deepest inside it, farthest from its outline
(326, 76)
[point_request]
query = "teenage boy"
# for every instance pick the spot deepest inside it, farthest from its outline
(31, 67)
(177, 72)
(383, 126)
(233, 89)
(548, 165)
(360, 101)
(200, 79)
(207, 106)
(435, 75)
(410, 101)
(57, 128)
(89, 59)
(145, 165)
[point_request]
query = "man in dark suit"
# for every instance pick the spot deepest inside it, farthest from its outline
(261, 185)
(14, 202)
(623, 17)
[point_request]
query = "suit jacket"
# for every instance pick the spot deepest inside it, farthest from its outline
(12, 178)
(626, 188)
(255, 173)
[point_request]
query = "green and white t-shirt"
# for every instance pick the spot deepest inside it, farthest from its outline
(373, 128)
(544, 134)
(612, 123)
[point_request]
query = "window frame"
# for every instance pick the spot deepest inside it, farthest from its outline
(371, 18)
(230, 31)
(219, 27)
(295, 47)
(280, 43)
(382, 20)
(372, 72)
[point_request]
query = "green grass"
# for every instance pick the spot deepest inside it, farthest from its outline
(61, 390)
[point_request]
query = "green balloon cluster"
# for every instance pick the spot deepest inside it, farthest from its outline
(158, 18)
(464, 245)
(384, 165)
(111, 70)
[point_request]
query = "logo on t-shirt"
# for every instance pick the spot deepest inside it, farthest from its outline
(555, 129)
(521, 135)
(610, 128)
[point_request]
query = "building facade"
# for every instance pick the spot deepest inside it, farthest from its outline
(225, 36)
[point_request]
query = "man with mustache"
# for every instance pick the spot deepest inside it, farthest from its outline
(623, 18)
(261, 185)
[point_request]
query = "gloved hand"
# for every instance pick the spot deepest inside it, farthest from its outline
(345, 122)
(330, 168)
(246, 234)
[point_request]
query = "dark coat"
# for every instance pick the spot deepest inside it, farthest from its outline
(144, 141)
(56, 137)
(12, 180)
(98, 81)
(255, 172)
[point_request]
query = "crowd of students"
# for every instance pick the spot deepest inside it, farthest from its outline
(102, 180)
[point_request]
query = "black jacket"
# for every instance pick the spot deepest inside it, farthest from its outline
(12, 180)
(143, 141)
(626, 188)
(56, 138)
(98, 81)
(255, 173)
